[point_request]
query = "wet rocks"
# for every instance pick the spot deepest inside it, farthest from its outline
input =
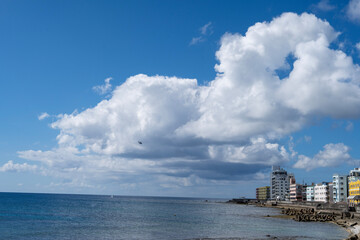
(309, 215)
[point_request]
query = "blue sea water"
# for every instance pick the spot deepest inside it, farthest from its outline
(60, 216)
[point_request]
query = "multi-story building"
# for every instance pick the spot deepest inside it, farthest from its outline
(304, 186)
(331, 192)
(280, 181)
(354, 175)
(340, 188)
(310, 193)
(354, 192)
(296, 192)
(291, 180)
(353, 185)
(263, 193)
(322, 192)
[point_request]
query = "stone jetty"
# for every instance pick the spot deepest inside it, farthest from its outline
(309, 215)
(319, 213)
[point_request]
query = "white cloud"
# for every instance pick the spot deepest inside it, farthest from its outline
(291, 147)
(248, 99)
(222, 131)
(307, 139)
(349, 126)
(324, 5)
(17, 167)
(254, 153)
(197, 40)
(358, 46)
(332, 155)
(205, 31)
(353, 11)
(105, 88)
(43, 115)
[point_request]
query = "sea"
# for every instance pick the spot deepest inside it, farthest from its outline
(60, 216)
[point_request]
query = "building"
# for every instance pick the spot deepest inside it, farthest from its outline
(322, 192)
(296, 192)
(340, 188)
(331, 192)
(280, 183)
(291, 180)
(263, 193)
(353, 186)
(354, 175)
(304, 186)
(310, 193)
(354, 192)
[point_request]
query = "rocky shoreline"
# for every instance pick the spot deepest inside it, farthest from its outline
(313, 212)
(348, 220)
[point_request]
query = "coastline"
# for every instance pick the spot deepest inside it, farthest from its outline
(315, 212)
(349, 222)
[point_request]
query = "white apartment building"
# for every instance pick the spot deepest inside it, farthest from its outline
(280, 183)
(331, 192)
(310, 193)
(340, 188)
(323, 192)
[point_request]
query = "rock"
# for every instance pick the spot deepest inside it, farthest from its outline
(346, 214)
(352, 237)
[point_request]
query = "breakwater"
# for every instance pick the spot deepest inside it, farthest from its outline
(314, 212)
(309, 215)
(334, 213)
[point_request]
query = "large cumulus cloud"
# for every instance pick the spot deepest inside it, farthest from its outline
(221, 131)
(332, 155)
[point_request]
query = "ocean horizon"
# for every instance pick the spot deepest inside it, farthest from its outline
(79, 216)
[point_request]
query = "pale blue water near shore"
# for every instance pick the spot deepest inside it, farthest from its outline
(52, 216)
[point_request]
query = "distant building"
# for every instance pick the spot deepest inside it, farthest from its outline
(310, 193)
(331, 192)
(296, 192)
(354, 175)
(280, 183)
(353, 185)
(354, 192)
(322, 192)
(291, 180)
(340, 188)
(304, 186)
(263, 193)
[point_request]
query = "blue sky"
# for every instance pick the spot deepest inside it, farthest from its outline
(215, 100)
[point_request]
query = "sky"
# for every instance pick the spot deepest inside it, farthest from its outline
(176, 98)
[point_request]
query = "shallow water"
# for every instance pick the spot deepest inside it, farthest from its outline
(58, 216)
